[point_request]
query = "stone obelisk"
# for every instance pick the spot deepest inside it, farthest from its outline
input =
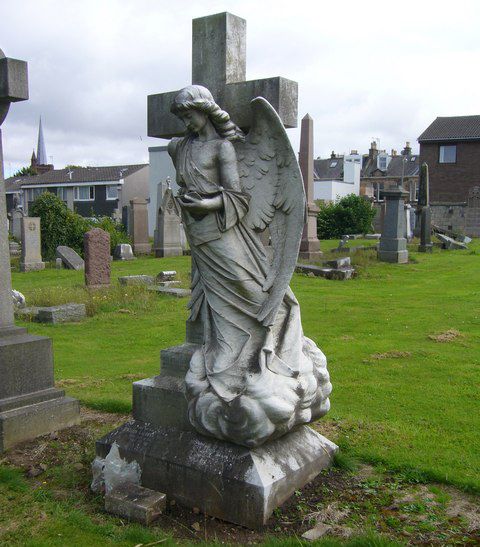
(310, 244)
(30, 405)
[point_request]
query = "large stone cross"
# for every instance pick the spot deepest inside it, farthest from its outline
(13, 87)
(219, 63)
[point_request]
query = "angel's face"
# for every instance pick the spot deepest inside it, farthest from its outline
(195, 120)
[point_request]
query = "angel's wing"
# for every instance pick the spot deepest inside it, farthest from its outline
(270, 173)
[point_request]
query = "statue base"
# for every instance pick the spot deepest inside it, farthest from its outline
(223, 480)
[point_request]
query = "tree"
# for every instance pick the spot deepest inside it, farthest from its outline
(28, 171)
(350, 215)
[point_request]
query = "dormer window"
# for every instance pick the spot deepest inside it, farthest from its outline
(382, 163)
(413, 158)
(333, 164)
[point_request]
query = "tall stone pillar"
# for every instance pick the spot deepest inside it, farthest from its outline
(310, 244)
(30, 405)
(138, 226)
(393, 244)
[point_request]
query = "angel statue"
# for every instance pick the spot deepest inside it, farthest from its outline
(256, 376)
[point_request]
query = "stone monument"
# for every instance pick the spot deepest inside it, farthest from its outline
(30, 405)
(31, 258)
(424, 213)
(96, 244)
(168, 233)
(16, 216)
(138, 226)
(310, 244)
(222, 428)
(393, 244)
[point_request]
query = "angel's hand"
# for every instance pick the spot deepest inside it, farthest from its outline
(203, 205)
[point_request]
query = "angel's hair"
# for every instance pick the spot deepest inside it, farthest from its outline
(199, 98)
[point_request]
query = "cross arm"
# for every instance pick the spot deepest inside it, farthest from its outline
(13, 80)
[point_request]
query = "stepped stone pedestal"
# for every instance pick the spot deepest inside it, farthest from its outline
(224, 480)
(393, 244)
(30, 405)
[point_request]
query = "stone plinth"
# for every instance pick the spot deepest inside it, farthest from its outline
(31, 258)
(393, 244)
(30, 405)
(123, 251)
(97, 258)
(222, 479)
(138, 226)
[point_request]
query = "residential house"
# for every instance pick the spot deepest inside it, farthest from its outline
(100, 191)
(451, 148)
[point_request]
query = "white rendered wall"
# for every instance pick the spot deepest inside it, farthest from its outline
(161, 167)
(332, 190)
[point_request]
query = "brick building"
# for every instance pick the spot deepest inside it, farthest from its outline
(451, 148)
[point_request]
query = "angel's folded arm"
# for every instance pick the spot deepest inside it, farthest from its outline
(228, 167)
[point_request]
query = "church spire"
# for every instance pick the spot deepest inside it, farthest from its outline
(41, 150)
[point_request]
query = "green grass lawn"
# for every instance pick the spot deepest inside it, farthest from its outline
(400, 397)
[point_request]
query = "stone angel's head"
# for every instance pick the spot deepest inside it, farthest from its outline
(195, 106)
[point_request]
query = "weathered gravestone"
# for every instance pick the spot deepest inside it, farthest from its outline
(30, 405)
(234, 447)
(393, 245)
(96, 243)
(168, 233)
(123, 251)
(31, 245)
(16, 216)
(70, 258)
(138, 226)
(310, 244)
(423, 196)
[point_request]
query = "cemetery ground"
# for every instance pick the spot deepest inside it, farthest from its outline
(402, 343)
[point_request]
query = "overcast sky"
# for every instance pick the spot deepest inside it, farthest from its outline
(365, 69)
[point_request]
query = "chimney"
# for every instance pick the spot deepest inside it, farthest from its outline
(407, 151)
(354, 152)
(373, 152)
(332, 155)
(394, 153)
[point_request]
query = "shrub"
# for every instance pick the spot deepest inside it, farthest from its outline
(350, 215)
(60, 226)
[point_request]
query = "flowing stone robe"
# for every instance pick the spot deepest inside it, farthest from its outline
(247, 383)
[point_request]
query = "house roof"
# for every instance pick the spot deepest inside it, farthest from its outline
(452, 128)
(324, 171)
(85, 174)
(14, 184)
(328, 169)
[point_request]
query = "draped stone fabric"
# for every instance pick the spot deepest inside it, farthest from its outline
(248, 383)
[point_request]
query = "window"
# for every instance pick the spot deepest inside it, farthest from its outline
(84, 193)
(333, 164)
(62, 193)
(448, 154)
(112, 192)
(382, 163)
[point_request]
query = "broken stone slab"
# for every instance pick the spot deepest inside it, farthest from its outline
(28, 314)
(168, 283)
(70, 258)
(318, 531)
(123, 251)
(450, 244)
(343, 262)
(65, 313)
(136, 280)
(328, 273)
(372, 236)
(179, 293)
(135, 503)
(353, 236)
(168, 275)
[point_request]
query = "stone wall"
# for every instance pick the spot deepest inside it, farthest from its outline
(450, 216)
